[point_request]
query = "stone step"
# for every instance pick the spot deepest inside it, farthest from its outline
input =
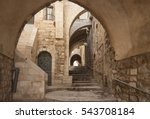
(85, 88)
(84, 84)
(84, 79)
(81, 81)
(74, 88)
(78, 70)
(77, 96)
(78, 100)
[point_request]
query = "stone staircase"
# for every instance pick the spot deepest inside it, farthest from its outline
(77, 70)
(83, 88)
(80, 74)
(78, 92)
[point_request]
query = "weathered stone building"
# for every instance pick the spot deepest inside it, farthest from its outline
(60, 51)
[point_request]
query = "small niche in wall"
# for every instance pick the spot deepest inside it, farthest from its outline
(94, 55)
(96, 26)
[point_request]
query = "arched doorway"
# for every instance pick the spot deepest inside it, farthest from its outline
(45, 63)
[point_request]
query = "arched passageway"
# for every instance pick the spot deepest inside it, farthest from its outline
(74, 58)
(126, 22)
(77, 16)
(113, 15)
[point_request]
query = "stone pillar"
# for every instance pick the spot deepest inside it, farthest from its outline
(68, 8)
(59, 19)
(66, 37)
(82, 52)
(5, 78)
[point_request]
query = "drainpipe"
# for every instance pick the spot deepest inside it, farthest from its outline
(15, 79)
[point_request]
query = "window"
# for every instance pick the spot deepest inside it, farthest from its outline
(49, 13)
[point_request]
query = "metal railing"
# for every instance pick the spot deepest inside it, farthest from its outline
(15, 79)
(126, 92)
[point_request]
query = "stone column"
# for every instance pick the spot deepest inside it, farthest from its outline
(59, 17)
(82, 52)
(6, 65)
(66, 37)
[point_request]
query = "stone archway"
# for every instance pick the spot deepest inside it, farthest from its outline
(118, 18)
(45, 63)
(75, 57)
(80, 13)
(118, 36)
(126, 21)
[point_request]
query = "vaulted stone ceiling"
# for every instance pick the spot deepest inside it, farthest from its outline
(126, 21)
(77, 38)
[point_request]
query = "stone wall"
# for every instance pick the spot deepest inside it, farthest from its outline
(135, 74)
(48, 38)
(133, 71)
(60, 59)
(6, 66)
(46, 41)
(31, 82)
(103, 55)
(53, 36)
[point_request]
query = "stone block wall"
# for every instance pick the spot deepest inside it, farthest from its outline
(134, 71)
(98, 33)
(48, 38)
(46, 41)
(32, 81)
(103, 55)
(60, 59)
(6, 66)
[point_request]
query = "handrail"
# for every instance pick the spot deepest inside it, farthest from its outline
(15, 79)
(131, 86)
(126, 92)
